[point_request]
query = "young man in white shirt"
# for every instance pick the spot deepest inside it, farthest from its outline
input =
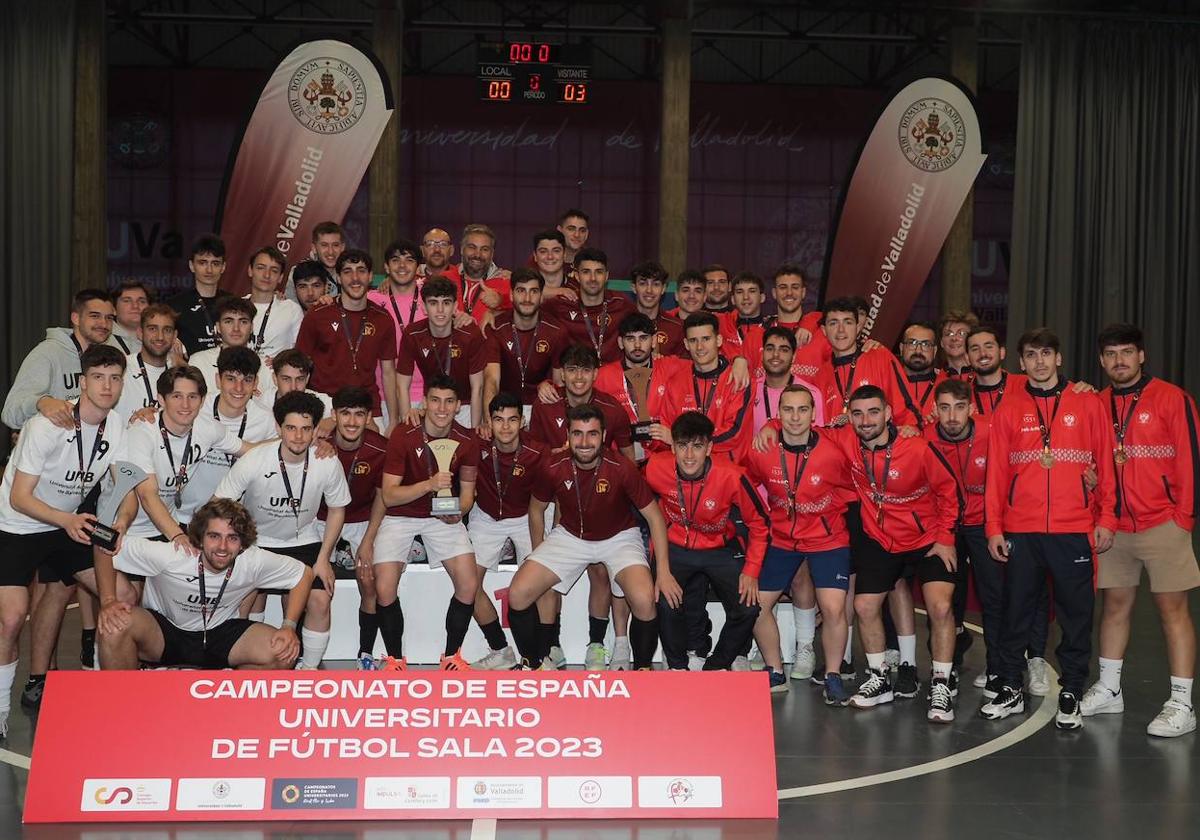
(143, 367)
(276, 320)
(235, 319)
(283, 487)
(129, 300)
(192, 594)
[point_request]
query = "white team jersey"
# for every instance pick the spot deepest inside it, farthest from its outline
(145, 447)
(253, 426)
(206, 361)
(139, 391)
(283, 324)
(255, 480)
(52, 454)
(173, 580)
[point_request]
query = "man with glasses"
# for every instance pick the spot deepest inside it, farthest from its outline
(953, 330)
(916, 377)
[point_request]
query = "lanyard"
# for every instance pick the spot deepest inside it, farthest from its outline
(767, 397)
(703, 405)
(78, 346)
(357, 343)
(917, 407)
(878, 488)
(121, 341)
(412, 310)
(293, 501)
(204, 598)
(146, 381)
(522, 358)
(746, 322)
(964, 464)
(1047, 458)
(844, 390)
(602, 322)
(631, 392)
(792, 487)
(1122, 427)
(579, 492)
(443, 363)
(686, 516)
(999, 392)
(261, 338)
(97, 445)
(181, 476)
(502, 489)
(241, 429)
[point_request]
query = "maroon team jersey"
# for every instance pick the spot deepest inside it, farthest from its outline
(526, 357)
(505, 479)
(364, 474)
(459, 354)
(668, 336)
(595, 326)
(346, 347)
(408, 457)
(548, 421)
(607, 494)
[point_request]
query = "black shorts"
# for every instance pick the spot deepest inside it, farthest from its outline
(878, 569)
(858, 537)
(187, 647)
(306, 554)
(52, 555)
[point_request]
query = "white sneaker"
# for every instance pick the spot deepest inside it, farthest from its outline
(695, 663)
(981, 681)
(556, 659)
(805, 662)
(1100, 700)
(1174, 720)
(740, 663)
(1039, 677)
(891, 660)
(595, 657)
(504, 659)
(622, 656)
(756, 660)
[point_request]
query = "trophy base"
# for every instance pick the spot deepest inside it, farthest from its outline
(104, 537)
(446, 506)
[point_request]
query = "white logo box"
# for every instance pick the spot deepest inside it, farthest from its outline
(680, 791)
(406, 792)
(499, 792)
(589, 792)
(221, 794)
(126, 795)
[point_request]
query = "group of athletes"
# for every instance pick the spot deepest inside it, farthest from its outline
(667, 455)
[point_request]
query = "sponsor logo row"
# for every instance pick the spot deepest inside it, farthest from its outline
(403, 793)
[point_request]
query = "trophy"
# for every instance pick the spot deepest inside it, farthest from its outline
(113, 486)
(445, 503)
(641, 430)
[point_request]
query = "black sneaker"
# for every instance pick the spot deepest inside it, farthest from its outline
(1009, 701)
(907, 684)
(847, 671)
(992, 688)
(875, 690)
(952, 683)
(31, 695)
(941, 704)
(1068, 715)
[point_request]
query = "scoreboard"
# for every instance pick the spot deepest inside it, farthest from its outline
(530, 72)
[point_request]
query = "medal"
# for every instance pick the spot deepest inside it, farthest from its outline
(1119, 456)
(1121, 427)
(1046, 459)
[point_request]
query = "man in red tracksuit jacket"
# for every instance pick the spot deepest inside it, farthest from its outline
(1041, 518)
(1152, 438)
(991, 382)
(852, 367)
(634, 380)
(916, 377)
(910, 506)
(697, 494)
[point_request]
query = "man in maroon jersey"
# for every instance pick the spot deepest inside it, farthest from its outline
(412, 477)
(349, 338)
(548, 422)
(594, 318)
(593, 491)
(649, 280)
(439, 348)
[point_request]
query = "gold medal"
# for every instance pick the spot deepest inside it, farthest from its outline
(1119, 455)
(1046, 459)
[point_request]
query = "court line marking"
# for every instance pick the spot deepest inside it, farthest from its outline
(15, 759)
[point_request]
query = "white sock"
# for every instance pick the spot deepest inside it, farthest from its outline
(1110, 674)
(260, 617)
(806, 624)
(9, 672)
(941, 670)
(908, 649)
(849, 657)
(315, 642)
(875, 661)
(1181, 690)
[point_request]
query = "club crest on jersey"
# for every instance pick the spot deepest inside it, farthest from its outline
(543, 346)
(455, 351)
(710, 504)
(1143, 417)
(362, 469)
(893, 473)
(1068, 420)
(981, 461)
(602, 485)
(518, 470)
(369, 329)
(815, 480)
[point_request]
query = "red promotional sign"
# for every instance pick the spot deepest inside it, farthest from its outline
(303, 153)
(910, 181)
(190, 745)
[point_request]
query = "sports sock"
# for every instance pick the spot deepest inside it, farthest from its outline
(556, 639)
(34, 679)
(368, 627)
(260, 617)
(908, 649)
(806, 624)
(458, 620)
(7, 674)
(849, 655)
(875, 661)
(524, 625)
(87, 636)
(494, 634)
(315, 642)
(391, 624)
(1181, 690)
(597, 629)
(643, 637)
(941, 670)
(1110, 674)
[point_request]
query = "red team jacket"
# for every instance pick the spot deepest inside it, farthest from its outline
(706, 524)
(968, 461)
(730, 409)
(1025, 497)
(987, 397)
(916, 406)
(1157, 481)
(873, 367)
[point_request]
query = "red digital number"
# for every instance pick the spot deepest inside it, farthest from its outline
(576, 93)
(543, 53)
(499, 90)
(535, 81)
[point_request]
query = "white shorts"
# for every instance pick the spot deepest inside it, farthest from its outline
(442, 540)
(353, 533)
(489, 536)
(568, 556)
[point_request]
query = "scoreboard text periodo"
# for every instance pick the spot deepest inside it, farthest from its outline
(524, 71)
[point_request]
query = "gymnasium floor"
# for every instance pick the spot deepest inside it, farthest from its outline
(842, 774)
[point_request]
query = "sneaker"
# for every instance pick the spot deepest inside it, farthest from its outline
(907, 684)
(835, 693)
(556, 659)
(454, 663)
(992, 688)
(779, 682)
(1100, 700)
(622, 657)
(366, 662)
(31, 695)
(1009, 701)
(497, 660)
(756, 659)
(695, 661)
(391, 663)
(595, 657)
(891, 660)
(875, 690)
(523, 665)
(981, 680)
(952, 681)
(847, 671)
(1039, 676)
(87, 654)
(941, 703)
(804, 663)
(1174, 720)
(741, 663)
(1068, 716)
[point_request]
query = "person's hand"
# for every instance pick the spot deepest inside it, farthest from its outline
(115, 617)
(178, 353)
(803, 336)
(739, 373)
(182, 543)
(909, 431)
(485, 429)
(453, 519)
(59, 412)
(748, 590)
(415, 416)
(364, 564)
(870, 344)
(79, 527)
(1090, 479)
(669, 589)
(326, 449)
(1104, 540)
(562, 292)
(323, 570)
(285, 646)
(998, 547)
(440, 481)
(946, 554)
(1083, 388)
(144, 415)
(490, 298)
(462, 320)
(765, 438)
(660, 433)
(325, 300)
(547, 393)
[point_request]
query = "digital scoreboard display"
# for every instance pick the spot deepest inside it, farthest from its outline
(530, 72)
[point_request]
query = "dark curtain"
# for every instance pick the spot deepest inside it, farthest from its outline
(1106, 211)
